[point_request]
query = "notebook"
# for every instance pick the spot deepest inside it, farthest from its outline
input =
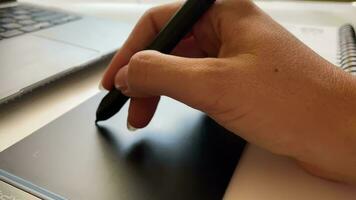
(335, 44)
(347, 49)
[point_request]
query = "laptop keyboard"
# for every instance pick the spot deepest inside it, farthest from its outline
(18, 20)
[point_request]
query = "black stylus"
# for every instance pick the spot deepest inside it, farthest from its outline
(177, 27)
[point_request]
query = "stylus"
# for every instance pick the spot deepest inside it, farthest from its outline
(177, 27)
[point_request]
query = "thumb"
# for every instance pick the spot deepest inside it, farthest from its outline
(193, 81)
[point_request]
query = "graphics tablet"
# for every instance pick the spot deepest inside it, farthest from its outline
(182, 154)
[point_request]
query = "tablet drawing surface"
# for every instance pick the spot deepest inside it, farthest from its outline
(182, 154)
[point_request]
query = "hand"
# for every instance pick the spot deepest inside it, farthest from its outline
(251, 76)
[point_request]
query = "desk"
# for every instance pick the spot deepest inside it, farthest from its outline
(260, 174)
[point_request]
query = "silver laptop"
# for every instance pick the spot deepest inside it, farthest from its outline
(40, 44)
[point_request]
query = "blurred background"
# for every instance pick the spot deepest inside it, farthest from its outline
(317, 12)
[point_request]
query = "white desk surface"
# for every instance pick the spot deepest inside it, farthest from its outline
(259, 175)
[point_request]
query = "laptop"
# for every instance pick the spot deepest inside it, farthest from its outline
(40, 44)
(181, 154)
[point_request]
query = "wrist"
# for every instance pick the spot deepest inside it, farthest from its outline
(330, 151)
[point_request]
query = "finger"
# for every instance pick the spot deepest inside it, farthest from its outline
(141, 111)
(143, 33)
(189, 80)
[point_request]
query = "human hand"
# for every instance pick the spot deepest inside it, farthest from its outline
(251, 76)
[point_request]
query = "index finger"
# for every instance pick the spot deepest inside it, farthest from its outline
(143, 33)
(140, 110)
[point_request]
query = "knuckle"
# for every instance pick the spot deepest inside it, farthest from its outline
(242, 5)
(153, 10)
(246, 5)
(139, 58)
(149, 12)
(238, 8)
(138, 70)
(157, 11)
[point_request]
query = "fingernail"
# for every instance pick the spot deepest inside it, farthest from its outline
(130, 127)
(120, 79)
(101, 87)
